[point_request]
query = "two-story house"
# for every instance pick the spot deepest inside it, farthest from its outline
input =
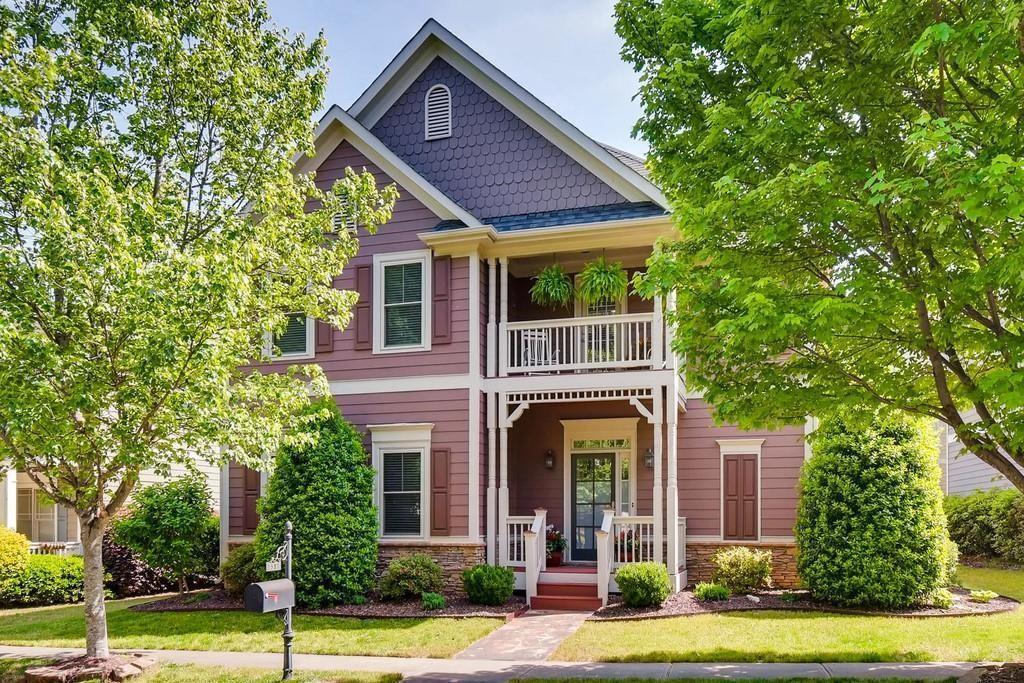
(487, 416)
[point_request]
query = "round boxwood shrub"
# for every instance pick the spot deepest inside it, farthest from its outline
(241, 568)
(45, 580)
(13, 553)
(410, 576)
(486, 584)
(742, 569)
(325, 488)
(643, 584)
(870, 526)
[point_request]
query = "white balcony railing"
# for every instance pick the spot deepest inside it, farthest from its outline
(576, 344)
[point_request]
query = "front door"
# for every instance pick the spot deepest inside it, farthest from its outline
(593, 490)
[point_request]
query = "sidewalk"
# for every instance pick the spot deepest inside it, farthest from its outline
(492, 670)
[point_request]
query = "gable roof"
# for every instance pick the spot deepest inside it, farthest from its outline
(337, 125)
(434, 40)
(636, 163)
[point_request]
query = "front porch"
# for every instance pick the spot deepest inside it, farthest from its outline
(50, 528)
(596, 466)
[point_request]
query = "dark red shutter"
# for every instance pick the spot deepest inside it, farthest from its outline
(442, 300)
(364, 308)
(250, 518)
(439, 458)
(740, 497)
(324, 337)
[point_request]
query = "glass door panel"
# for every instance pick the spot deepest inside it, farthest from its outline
(593, 488)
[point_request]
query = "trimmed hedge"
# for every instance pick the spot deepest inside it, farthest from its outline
(988, 524)
(240, 569)
(643, 584)
(742, 569)
(326, 489)
(488, 585)
(410, 576)
(870, 526)
(45, 580)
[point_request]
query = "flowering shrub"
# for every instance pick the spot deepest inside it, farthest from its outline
(555, 540)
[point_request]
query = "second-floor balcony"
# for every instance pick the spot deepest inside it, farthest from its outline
(606, 342)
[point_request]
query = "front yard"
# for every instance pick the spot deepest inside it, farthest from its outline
(11, 671)
(244, 632)
(811, 637)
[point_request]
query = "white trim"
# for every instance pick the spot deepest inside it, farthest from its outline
(738, 447)
(600, 428)
(390, 385)
(444, 131)
(810, 426)
(398, 258)
(436, 541)
(310, 352)
(475, 433)
(566, 382)
(433, 40)
(337, 126)
(764, 540)
(11, 499)
(403, 437)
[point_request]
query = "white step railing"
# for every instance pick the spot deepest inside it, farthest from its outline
(536, 551)
(632, 539)
(681, 546)
(605, 543)
(515, 544)
(574, 344)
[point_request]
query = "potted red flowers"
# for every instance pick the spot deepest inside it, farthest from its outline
(555, 546)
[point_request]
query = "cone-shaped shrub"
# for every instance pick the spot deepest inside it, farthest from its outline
(326, 490)
(870, 526)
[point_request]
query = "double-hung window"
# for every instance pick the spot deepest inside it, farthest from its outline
(401, 462)
(296, 341)
(401, 302)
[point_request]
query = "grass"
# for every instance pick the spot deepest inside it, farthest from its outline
(244, 632)
(746, 680)
(776, 636)
(12, 670)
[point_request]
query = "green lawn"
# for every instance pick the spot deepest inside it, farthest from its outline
(811, 636)
(242, 631)
(11, 671)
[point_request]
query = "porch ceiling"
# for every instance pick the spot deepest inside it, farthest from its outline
(573, 261)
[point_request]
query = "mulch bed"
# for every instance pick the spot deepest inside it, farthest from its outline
(1006, 673)
(684, 604)
(373, 609)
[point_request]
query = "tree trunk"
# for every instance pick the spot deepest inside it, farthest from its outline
(96, 644)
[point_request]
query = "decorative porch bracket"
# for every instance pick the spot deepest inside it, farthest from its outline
(642, 409)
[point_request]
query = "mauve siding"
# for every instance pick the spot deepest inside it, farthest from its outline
(782, 455)
(448, 410)
(494, 164)
(699, 476)
(399, 234)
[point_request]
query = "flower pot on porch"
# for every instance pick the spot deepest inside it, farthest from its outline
(555, 559)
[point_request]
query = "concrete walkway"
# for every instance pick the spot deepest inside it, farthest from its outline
(490, 670)
(531, 637)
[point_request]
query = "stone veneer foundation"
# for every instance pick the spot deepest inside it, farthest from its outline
(453, 558)
(699, 567)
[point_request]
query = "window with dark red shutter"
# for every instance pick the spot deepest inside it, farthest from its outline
(364, 307)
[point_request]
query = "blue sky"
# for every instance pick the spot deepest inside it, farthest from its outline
(564, 51)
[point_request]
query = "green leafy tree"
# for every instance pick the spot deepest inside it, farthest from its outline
(152, 232)
(172, 527)
(848, 181)
(870, 526)
(324, 486)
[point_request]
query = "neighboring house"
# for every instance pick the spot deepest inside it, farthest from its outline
(962, 471)
(54, 528)
(488, 417)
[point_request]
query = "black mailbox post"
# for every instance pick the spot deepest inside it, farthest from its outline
(277, 596)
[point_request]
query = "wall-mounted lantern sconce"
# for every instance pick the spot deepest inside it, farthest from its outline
(549, 459)
(649, 459)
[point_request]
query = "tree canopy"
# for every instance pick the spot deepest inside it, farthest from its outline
(848, 182)
(152, 233)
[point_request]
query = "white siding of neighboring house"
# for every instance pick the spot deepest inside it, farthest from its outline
(963, 472)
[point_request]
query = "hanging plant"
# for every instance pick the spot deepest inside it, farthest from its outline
(552, 287)
(602, 282)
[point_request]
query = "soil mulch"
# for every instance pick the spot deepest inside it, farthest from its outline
(685, 604)
(1005, 673)
(373, 609)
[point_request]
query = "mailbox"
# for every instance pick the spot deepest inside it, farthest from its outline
(270, 596)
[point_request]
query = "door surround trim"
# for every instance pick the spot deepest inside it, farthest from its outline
(601, 428)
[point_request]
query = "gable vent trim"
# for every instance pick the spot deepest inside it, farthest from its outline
(438, 108)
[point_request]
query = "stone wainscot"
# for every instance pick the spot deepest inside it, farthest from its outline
(699, 567)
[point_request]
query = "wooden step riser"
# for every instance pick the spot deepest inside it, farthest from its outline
(578, 590)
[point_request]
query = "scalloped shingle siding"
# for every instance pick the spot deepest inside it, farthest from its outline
(494, 164)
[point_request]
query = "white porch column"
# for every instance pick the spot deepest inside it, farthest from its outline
(474, 396)
(10, 510)
(658, 336)
(492, 325)
(492, 477)
(503, 320)
(503, 481)
(659, 509)
(672, 489)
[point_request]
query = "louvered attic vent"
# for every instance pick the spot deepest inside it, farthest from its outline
(438, 113)
(344, 220)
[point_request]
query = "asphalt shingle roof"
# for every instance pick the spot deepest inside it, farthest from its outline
(553, 219)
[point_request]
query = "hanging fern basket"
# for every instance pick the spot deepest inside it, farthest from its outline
(602, 282)
(552, 287)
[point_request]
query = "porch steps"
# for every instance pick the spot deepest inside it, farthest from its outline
(569, 597)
